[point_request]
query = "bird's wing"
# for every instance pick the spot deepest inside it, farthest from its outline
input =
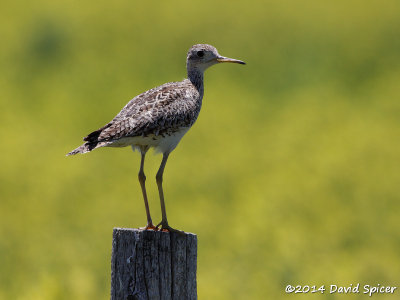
(158, 111)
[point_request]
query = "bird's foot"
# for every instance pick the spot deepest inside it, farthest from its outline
(149, 226)
(166, 228)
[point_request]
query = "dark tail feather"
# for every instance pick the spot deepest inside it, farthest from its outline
(91, 142)
(94, 136)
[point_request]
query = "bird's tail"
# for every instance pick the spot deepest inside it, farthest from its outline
(81, 149)
(92, 142)
(87, 147)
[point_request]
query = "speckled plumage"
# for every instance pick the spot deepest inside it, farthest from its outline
(160, 117)
(151, 116)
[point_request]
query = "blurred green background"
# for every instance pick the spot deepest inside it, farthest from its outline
(290, 175)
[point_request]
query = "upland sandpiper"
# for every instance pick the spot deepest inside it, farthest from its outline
(159, 118)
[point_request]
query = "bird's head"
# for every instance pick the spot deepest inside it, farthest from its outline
(202, 56)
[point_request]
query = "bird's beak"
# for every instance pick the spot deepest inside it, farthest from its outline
(230, 60)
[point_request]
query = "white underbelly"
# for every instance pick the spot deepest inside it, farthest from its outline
(160, 143)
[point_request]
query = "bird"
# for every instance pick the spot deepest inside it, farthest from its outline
(159, 118)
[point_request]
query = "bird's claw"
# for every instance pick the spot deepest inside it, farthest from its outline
(166, 228)
(150, 226)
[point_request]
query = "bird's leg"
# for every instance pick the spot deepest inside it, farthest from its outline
(159, 179)
(142, 180)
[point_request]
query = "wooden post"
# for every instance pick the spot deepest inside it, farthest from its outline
(147, 265)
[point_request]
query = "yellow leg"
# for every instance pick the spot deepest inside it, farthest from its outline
(142, 180)
(159, 179)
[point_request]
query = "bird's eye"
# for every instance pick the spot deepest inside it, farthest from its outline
(200, 53)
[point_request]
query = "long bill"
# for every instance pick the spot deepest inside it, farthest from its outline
(230, 60)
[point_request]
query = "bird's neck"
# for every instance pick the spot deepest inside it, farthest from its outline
(196, 77)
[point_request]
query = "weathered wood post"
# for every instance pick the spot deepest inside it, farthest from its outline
(147, 265)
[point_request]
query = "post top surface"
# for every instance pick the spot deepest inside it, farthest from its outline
(142, 230)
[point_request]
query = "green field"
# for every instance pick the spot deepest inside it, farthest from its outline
(291, 175)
